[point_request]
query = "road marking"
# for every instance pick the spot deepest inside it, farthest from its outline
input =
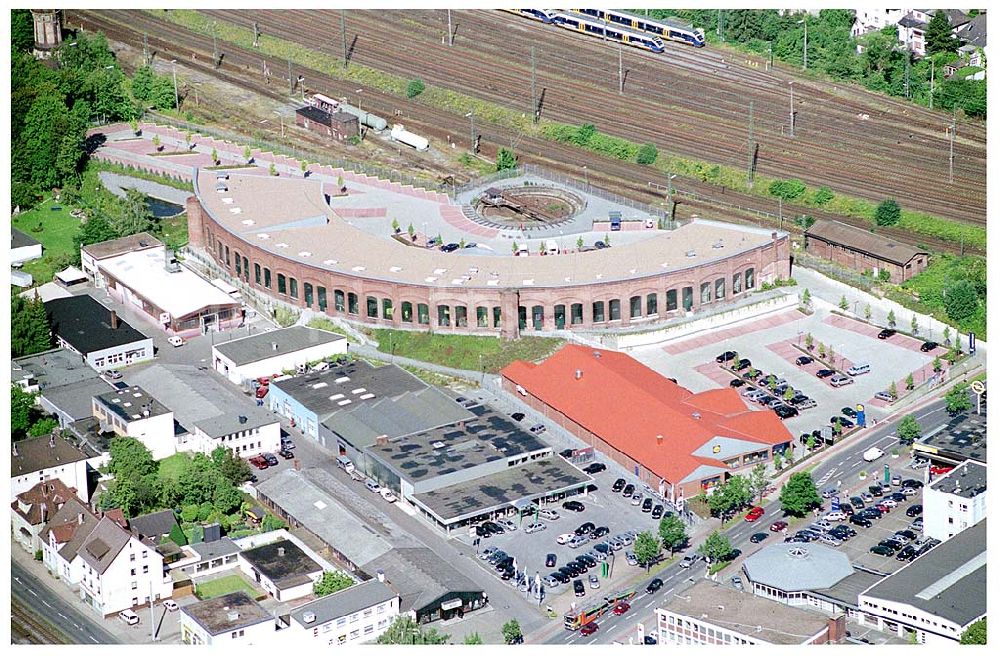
(841, 462)
(651, 602)
(32, 592)
(857, 463)
(46, 603)
(17, 579)
(592, 641)
(62, 615)
(93, 638)
(669, 590)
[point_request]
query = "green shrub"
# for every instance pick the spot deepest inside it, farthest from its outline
(822, 196)
(414, 88)
(887, 213)
(204, 511)
(189, 513)
(787, 189)
(177, 535)
(647, 154)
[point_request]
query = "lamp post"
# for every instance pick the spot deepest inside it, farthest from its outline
(586, 175)
(472, 132)
(177, 102)
(805, 41)
(791, 109)
(281, 118)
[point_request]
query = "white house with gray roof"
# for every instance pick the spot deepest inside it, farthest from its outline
(134, 412)
(935, 598)
(789, 573)
(230, 620)
(266, 354)
(247, 432)
(351, 616)
(955, 501)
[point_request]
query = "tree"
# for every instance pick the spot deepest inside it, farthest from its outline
(787, 189)
(892, 390)
(272, 170)
(410, 230)
(843, 303)
(22, 31)
(908, 429)
(957, 399)
(248, 154)
(914, 326)
(789, 394)
(30, 329)
(21, 406)
(809, 342)
(414, 88)
(647, 548)
(946, 335)
(938, 38)
(716, 547)
(130, 459)
(511, 632)
(579, 242)
(868, 312)
(891, 319)
(472, 638)
(759, 481)
(304, 166)
(822, 196)
(838, 427)
(799, 495)
(647, 154)
(909, 382)
(136, 216)
(673, 534)
(975, 634)
(807, 301)
(887, 213)
(215, 156)
(157, 141)
(271, 522)
(514, 247)
(961, 300)
(810, 443)
(506, 159)
(330, 582)
(95, 229)
(788, 455)
(822, 351)
(403, 630)
(43, 426)
(936, 364)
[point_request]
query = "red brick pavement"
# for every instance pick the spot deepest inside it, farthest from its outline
(787, 350)
(715, 373)
(900, 340)
(742, 329)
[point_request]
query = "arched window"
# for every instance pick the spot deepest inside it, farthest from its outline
(737, 283)
(461, 316)
(720, 288)
(522, 318)
(352, 303)
(560, 315)
(423, 314)
(537, 317)
(687, 298)
(372, 307)
(246, 269)
(293, 288)
(307, 294)
(749, 279)
(444, 315)
(267, 278)
(496, 316)
(482, 317)
(672, 300)
(256, 273)
(322, 298)
(338, 300)
(706, 293)
(651, 304)
(407, 311)
(597, 308)
(635, 306)
(386, 308)
(239, 270)
(576, 314)
(282, 285)
(615, 309)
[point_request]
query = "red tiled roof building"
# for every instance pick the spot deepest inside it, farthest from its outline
(653, 427)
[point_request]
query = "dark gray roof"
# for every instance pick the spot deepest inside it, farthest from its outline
(797, 567)
(880, 246)
(490, 492)
(420, 576)
(963, 438)
(315, 389)
(227, 613)
(104, 544)
(129, 403)
(261, 346)
(948, 581)
(911, 21)
(403, 415)
(741, 612)
(326, 517)
(337, 605)
(968, 480)
(85, 323)
(76, 400)
(68, 527)
(154, 524)
(213, 549)
(56, 367)
(974, 31)
(119, 246)
(41, 452)
(230, 423)
(284, 563)
(19, 239)
(846, 591)
(489, 436)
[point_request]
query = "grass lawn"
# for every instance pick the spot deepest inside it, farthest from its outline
(225, 585)
(325, 325)
(174, 465)
(464, 352)
(173, 231)
(54, 229)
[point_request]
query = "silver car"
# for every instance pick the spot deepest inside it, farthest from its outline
(550, 582)
(534, 527)
(631, 558)
(830, 539)
(616, 545)
(488, 553)
(507, 524)
(578, 541)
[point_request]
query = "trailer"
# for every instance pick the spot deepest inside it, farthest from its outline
(401, 134)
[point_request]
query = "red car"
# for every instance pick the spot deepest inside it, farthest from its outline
(589, 629)
(885, 509)
(261, 392)
(621, 608)
(941, 470)
(754, 514)
(778, 526)
(259, 462)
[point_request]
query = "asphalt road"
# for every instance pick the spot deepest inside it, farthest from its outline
(49, 605)
(843, 465)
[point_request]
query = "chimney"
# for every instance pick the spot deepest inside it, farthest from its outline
(659, 439)
(380, 575)
(52, 440)
(79, 518)
(114, 320)
(274, 347)
(13, 448)
(243, 420)
(43, 508)
(232, 615)
(281, 551)
(579, 373)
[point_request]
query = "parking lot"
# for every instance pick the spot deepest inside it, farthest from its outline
(772, 343)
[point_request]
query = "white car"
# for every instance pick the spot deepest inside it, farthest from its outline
(507, 524)
(562, 539)
(549, 514)
(176, 341)
(888, 502)
(372, 486)
(631, 558)
(835, 516)
(129, 617)
(534, 527)
(170, 605)
(595, 582)
(388, 495)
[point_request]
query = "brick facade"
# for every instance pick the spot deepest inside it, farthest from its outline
(860, 261)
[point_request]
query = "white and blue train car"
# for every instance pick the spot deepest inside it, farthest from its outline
(673, 30)
(599, 28)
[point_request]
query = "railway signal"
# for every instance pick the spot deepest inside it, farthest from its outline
(951, 147)
(256, 34)
(750, 150)
(791, 110)
(343, 34)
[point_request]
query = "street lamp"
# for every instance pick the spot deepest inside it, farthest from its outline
(358, 92)
(281, 118)
(805, 41)
(791, 109)
(586, 176)
(177, 102)
(472, 132)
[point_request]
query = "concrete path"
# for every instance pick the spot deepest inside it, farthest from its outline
(117, 184)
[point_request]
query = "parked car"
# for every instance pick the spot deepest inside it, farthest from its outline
(743, 364)
(844, 422)
(647, 505)
(585, 528)
(913, 484)
(785, 412)
(573, 506)
(375, 487)
(835, 516)
(803, 360)
(728, 355)
(928, 346)
(894, 544)
(129, 617)
(736, 383)
(285, 453)
(547, 513)
(687, 561)
(637, 498)
(565, 537)
(388, 495)
(825, 372)
(914, 510)
(170, 605)
(578, 588)
(618, 485)
(537, 429)
(631, 558)
(885, 396)
(518, 416)
(594, 468)
(654, 586)
(595, 582)
(578, 541)
(657, 511)
(882, 550)
(176, 341)
(758, 537)
(840, 380)
(628, 491)
(908, 553)
(862, 521)
(754, 514)
(599, 532)
(532, 528)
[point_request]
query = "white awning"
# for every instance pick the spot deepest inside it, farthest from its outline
(71, 275)
(451, 604)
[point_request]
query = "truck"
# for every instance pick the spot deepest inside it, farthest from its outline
(576, 618)
(872, 454)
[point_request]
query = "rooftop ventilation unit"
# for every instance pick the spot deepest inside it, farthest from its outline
(309, 617)
(438, 444)
(341, 380)
(579, 374)
(696, 415)
(691, 254)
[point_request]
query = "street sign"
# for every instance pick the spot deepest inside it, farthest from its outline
(886, 477)
(835, 504)
(978, 387)
(972, 343)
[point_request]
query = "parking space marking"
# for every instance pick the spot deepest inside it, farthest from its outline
(743, 329)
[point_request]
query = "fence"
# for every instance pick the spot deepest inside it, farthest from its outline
(349, 165)
(834, 271)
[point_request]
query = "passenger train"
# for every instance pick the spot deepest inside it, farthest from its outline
(619, 26)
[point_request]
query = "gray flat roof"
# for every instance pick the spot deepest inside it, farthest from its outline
(342, 603)
(948, 581)
(236, 421)
(796, 567)
(76, 400)
(420, 576)
(227, 613)
(349, 382)
(963, 438)
(483, 494)
(128, 403)
(846, 591)
(262, 346)
(747, 614)
(490, 436)
(284, 563)
(213, 549)
(403, 415)
(967, 480)
(19, 239)
(53, 368)
(42, 452)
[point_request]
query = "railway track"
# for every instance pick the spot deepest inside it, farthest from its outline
(903, 148)
(242, 67)
(27, 628)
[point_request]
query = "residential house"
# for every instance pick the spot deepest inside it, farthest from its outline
(44, 458)
(973, 32)
(282, 569)
(85, 326)
(351, 616)
(248, 432)
(33, 508)
(154, 526)
(872, 20)
(23, 247)
(228, 620)
(134, 412)
(912, 29)
(208, 557)
(61, 539)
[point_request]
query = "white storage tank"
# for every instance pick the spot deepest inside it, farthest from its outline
(401, 134)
